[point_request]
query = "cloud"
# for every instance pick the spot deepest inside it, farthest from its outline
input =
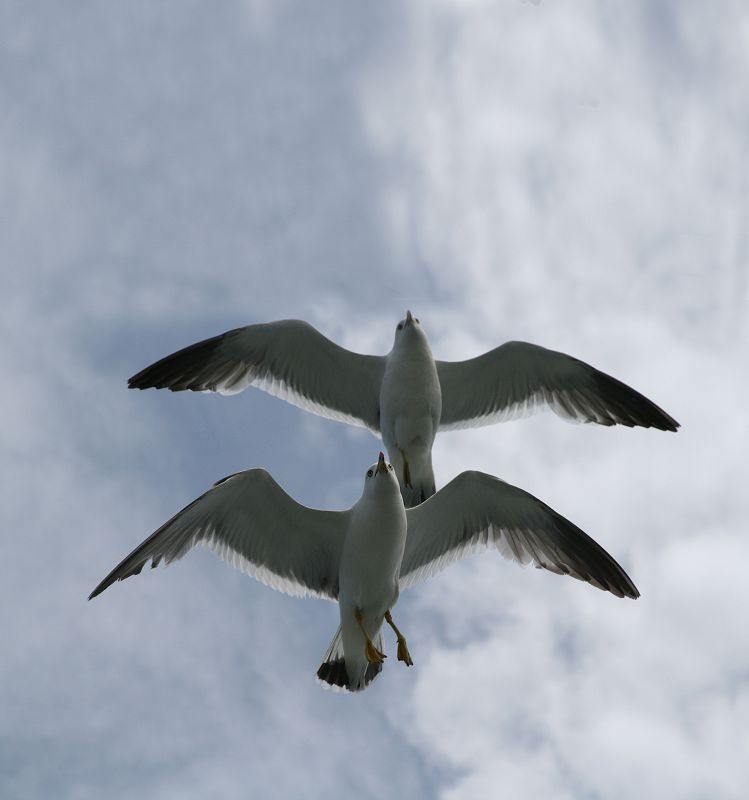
(565, 178)
(538, 151)
(568, 176)
(169, 175)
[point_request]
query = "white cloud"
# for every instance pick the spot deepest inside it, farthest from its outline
(546, 151)
(572, 176)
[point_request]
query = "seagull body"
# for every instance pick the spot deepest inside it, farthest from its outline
(410, 410)
(370, 570)
(363, 557)
(405, 396)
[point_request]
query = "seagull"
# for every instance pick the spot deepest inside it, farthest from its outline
(405, 396)
(363, 557)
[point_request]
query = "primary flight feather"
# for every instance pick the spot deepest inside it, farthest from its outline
(363, 557)
(405, 396)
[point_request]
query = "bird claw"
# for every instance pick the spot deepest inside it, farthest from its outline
(374, 656)
(403, 654)
(406, 474)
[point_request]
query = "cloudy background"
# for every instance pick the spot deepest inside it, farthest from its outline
(572, 174)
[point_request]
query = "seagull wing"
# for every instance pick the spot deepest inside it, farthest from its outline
(476, 511)
(248, 520)
(288, 359)
(514, 379)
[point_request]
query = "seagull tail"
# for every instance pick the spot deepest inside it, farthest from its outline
(333, 673)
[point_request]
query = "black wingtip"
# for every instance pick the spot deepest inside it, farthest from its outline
(145, 378)
(150, 378)
(667, 422)
(105, 584)
(592, 563)
(629, 407)
(630, 591)
(180, 371)
(140, 381)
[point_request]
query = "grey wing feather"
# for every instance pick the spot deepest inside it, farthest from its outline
(249, 521)
(476, 511)
(517, 378)
(288, 359)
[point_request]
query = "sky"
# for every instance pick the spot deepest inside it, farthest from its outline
(570, 174)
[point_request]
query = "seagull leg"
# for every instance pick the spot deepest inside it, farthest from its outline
(403, 654)
(406, 472)
(372, 653)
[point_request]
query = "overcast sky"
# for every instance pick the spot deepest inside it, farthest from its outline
(571, 174)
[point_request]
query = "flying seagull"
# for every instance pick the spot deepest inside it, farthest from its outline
(365, 556)
(405, 396)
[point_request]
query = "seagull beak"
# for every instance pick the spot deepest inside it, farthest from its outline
(409, 318)
(381, 465)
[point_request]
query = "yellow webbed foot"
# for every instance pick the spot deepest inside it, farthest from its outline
(403, 654)
(406, 474)
(374, 656)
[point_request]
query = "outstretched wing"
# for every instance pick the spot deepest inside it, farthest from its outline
(248, 520)
(288, 359)
(476, 511)
(516, 378)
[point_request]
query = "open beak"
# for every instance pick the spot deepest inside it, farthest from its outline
(381, 465)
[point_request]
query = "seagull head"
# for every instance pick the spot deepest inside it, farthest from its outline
(408, 329)
(381, 477)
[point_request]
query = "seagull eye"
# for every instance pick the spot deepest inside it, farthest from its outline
(390, 467)
(400, 326)
(369, 473)
(416, 319)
